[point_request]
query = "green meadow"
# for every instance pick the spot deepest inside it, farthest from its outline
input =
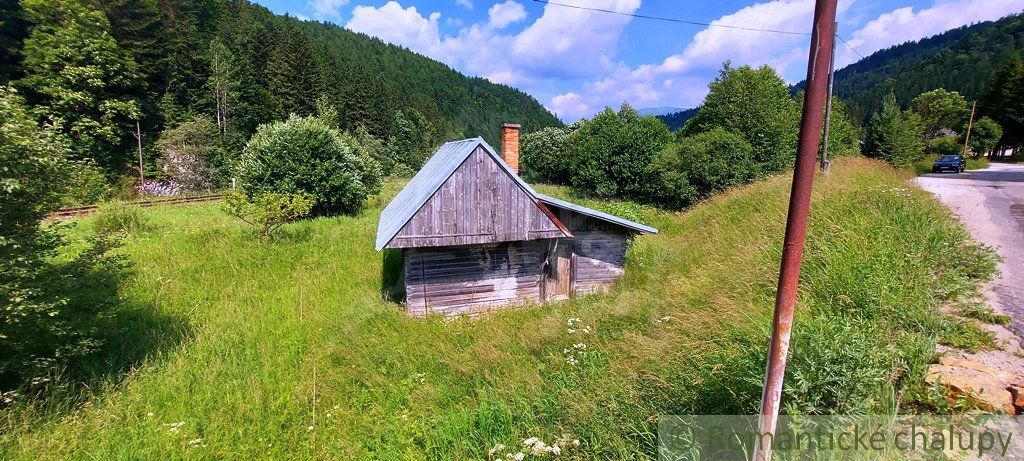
(226, 346)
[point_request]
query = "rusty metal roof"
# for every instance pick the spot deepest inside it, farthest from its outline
(440, 167)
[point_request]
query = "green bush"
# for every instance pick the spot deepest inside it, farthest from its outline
(86, 185)
(304, 155)
(114, 217)
(611, 153)
(946, 145)
(49, 316)
(544, 155)
(756, 104)
(715, 160)
(894, 135)
(268, 211)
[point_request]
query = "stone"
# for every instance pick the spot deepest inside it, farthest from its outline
(988, 389)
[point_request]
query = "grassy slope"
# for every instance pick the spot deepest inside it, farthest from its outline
(249, 345)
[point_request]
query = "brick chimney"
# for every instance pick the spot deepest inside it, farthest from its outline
(510, 145)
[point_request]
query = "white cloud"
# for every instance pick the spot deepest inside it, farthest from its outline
(905, 24)
(397, 25)
(562, 43)
(327, 9)
(569, 105)
(503, 14)
(465, 3)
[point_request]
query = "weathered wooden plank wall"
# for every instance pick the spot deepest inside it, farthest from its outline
(472, 279)
(600, 260)
(479, 203)
(600, 249)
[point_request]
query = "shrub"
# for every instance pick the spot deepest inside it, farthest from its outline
(544, 155)
(86, 185)
(303, 155)
(714, 160)
(114, 217)
(894, 135)
(47, 317)
(268, 211)
(189, 154)
(946, 145)
(755, 103)
(612, 152)
(985, 134)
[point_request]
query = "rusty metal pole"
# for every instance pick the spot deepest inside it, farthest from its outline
(822, 37)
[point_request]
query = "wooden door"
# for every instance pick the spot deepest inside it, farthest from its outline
(558, 274)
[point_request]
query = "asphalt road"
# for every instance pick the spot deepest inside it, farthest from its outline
(991, 203)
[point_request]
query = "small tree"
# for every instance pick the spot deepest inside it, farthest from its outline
(221, 81)
(985, 133)
(188, 153)
(700, 165)
(305, 155)
(894, 135)
(611, 153)
(755, 103)
(545, 156)
(946, 145)
(268, 211)
(940, 109)
(48, 315)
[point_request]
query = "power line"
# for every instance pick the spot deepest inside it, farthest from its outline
(692, 23)
(840, 37)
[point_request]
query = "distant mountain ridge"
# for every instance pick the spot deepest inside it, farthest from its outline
(959, 60)
(656, 111)
(676, 120)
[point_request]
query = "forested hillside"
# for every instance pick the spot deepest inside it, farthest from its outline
(675, 120)
(960, 60)
(166, 62)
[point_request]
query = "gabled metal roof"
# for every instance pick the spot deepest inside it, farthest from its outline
(439, 167)
(595, 214)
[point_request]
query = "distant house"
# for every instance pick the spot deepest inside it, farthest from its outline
(475, 236)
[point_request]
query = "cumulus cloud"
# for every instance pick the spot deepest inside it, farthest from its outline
(562, 43)
(905, 24)
(569, 105)
(465, 3)
(327, 9)
(503, 14)
(397, 25)
(569, 59)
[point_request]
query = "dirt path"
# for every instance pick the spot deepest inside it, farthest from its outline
(991, 203)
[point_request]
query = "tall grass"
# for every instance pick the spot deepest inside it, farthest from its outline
(291, 349)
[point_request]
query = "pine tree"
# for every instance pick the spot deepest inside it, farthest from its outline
(79, 79)
(894, 135)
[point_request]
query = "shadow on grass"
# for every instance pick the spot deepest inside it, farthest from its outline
(392, 276)
(98, 338)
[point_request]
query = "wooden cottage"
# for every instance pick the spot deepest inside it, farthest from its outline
(475, 236)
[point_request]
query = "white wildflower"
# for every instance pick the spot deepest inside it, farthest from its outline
(519, 456)
(570, 330)
(309, 428)
(149, 415)
(579, 346)
(195, 442)
(496, 449)
(586, 330)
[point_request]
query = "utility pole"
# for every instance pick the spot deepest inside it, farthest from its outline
(970, 123)
(138, 139)
(828, 103)
(822, 38)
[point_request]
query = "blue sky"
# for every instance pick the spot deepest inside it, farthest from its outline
(576, 62)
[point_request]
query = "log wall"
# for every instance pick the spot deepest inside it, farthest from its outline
(475, 278)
